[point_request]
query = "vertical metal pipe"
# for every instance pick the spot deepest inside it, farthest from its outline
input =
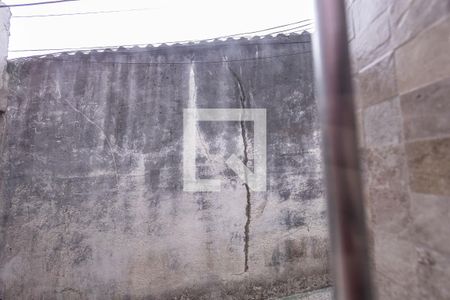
(341, 161)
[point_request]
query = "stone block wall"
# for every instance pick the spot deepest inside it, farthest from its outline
(401, 65)
(93, 205)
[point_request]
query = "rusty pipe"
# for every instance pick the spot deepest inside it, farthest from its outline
(350, 260)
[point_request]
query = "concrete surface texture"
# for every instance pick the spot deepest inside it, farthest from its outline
(402, 78)
(322, 294)
(92, 196)
(5, 16)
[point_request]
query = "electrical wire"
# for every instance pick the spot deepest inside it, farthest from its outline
(134, 50)
(289, 29)
(36, 3)
(86, 13)
(173, 42)
(143, 46)
(261, 30)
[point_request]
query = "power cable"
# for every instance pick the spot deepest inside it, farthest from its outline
(86, 13)
(261, 30)
(172, 42)
(134, 50)
(36, 3)
(289, 29)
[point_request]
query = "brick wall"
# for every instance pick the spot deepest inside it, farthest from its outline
(401, 64)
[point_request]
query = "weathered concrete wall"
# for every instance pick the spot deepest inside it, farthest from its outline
(5, 16)
(92, 198)
(402, 74)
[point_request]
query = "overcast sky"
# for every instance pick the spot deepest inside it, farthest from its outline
(158, 21)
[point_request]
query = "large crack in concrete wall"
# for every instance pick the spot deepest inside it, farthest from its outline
(248, 208)
(92, 195)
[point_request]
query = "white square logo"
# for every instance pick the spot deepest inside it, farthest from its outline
(256, 180)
